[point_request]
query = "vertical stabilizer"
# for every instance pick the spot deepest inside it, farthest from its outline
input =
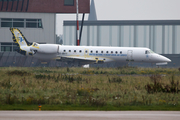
(19, 38)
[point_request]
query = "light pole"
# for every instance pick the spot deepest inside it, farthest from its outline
(77, 32)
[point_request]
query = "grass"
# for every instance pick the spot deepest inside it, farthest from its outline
(90, 108)
(123, 88)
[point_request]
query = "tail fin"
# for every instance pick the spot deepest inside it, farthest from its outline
(19, 38)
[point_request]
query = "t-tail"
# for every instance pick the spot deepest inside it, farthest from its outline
(19, 38)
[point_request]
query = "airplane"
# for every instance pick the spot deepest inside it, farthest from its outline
(82, 55)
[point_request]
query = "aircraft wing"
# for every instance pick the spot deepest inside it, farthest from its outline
(81, 60)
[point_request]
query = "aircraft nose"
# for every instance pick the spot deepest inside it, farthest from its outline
(168, 60)
(165, 59)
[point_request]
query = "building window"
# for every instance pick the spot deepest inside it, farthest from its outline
(69, 2)
(27, 23)
(6, 48)
(9, 22)
(39, 23)
(9, 47)
(18, 22)
(33, 23)
(5, 22)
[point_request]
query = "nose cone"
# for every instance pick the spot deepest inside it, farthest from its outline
(168, 60)
(165, 59)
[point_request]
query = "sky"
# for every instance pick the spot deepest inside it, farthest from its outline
(128, 10)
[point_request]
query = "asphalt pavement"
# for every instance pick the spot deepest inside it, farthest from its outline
(89, 115)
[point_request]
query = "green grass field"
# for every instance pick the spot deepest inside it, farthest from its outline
(126, 88)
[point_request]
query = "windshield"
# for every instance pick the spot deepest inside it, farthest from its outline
(151, 51)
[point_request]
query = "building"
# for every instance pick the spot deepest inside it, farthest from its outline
(35, 18)
(159, 35)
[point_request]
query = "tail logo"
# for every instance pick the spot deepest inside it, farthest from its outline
(20, 39)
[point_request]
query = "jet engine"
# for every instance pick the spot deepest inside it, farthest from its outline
(44, 48)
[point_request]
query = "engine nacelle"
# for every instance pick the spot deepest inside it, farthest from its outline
(45, 48)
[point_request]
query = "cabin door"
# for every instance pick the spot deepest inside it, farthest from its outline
(148, 55)
(86, 52)
(130, 55)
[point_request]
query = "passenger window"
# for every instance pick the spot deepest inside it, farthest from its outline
(91, 51)
(69, 50)
(96, 51)
(112, 52)
(80, 51)
(101, 51)
(106, 51)
(120, 52)
(116, 52)
(64, 50)
(74, 50)
(86, 51)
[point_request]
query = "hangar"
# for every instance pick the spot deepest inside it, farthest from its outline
(37, 21)
(159, 35)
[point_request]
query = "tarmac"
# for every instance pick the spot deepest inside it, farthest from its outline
(89, 115)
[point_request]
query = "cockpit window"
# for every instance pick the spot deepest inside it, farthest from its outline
(149, 52)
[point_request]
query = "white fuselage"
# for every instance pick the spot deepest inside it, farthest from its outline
(106, 54)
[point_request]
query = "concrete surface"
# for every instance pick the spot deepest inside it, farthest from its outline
(89, 115)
